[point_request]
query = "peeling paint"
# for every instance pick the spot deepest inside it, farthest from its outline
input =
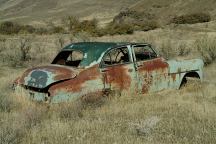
(56, 83)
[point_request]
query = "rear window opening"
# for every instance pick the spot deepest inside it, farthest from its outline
(69, 58)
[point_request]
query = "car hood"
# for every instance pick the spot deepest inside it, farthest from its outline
(41, 77)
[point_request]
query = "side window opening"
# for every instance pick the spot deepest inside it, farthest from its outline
(144, 52)
(116, 56)
(69, 58)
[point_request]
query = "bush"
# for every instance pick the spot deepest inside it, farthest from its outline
(2, 44)
(134, 20)
(25, 47)
(41, 31)
(9, 28)
(148, 25)
(183, 50)
(27, 29)
(89, 26)
(192, 18)
(114, 28)
(71, 22)
(57, 29)
(130, 16)
(207, 48)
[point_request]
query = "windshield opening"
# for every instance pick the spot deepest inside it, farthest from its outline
(69, 58)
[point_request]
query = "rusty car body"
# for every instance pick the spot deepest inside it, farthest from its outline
(94, 68)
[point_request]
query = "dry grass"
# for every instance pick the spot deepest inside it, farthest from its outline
(183, 116)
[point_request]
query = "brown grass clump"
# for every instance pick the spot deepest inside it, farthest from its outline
(136, 20)
(120, 29)
(148, 25)
(192, 18)
(9, 28)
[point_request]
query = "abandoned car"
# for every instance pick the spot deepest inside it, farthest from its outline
(95, 68)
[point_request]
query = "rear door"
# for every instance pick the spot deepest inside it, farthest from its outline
(118, 70)
(152, 70)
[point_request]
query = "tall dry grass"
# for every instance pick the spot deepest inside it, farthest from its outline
(183, 116)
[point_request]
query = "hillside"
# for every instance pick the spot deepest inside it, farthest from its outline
(166, 9)
(35, 11)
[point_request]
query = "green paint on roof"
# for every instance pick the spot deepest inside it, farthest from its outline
(93, 50)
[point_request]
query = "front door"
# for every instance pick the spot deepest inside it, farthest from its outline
(152, 70)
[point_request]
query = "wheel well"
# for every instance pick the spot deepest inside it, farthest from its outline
(190, 75)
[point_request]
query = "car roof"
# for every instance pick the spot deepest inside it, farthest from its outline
(94, 49)
(89, 46)
(100, 46)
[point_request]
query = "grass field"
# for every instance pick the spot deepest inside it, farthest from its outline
(187, 115)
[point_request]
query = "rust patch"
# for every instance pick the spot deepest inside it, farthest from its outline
(173, 77)
(58, 71)
(118, 75)
(147, 83)
(17, 81)
(75, 85)
(152, 65)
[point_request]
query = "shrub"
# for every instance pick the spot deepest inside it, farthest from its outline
(207, 48)
(134, 20)
(14, 28)
(148, 25)
(9, 28)
(71, 22)
(129, 16)
(192, 18)
(41, 31)
(27, 29)
(25, 47)
(74, 25)
(114, 28)
(183, 50)
(2, 44)
(57, 29)
(89, 26)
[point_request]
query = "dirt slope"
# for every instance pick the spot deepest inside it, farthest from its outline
(166, 9)
(36, 10)
(44, 10)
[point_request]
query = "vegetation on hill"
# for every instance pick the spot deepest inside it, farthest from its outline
(192, 18)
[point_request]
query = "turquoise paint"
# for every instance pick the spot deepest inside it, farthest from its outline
(43, 77)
